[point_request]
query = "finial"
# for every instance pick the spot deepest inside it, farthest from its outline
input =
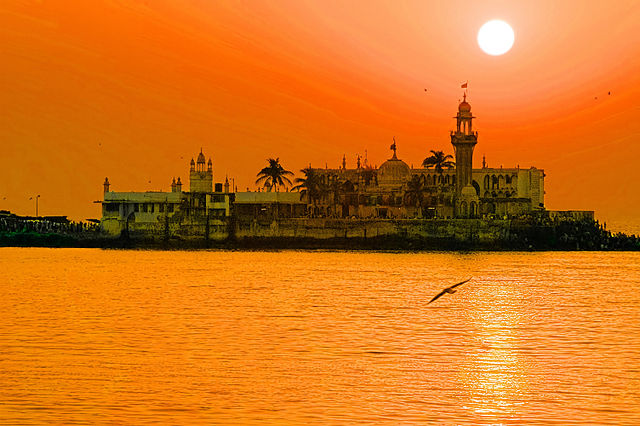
(464, 96)
(394, 148)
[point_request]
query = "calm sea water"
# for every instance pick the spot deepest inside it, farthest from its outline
(99, 336)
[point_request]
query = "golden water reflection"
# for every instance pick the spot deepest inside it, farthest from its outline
(494, 374)
(134, 337)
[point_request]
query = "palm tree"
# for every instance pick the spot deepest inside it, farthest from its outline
(309, 186)
(414, 194)
(439, 160)
(273, 175)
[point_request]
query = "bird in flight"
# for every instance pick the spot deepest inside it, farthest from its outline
(448, 290)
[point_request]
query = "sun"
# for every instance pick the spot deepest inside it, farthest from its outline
(495, 37)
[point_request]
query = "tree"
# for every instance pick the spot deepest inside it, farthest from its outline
(439, 161)
(310, 185)
(273, 175)
(414, 194)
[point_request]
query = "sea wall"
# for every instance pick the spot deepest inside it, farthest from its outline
(473, 230)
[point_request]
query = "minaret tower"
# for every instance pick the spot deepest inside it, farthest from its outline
(464, 139)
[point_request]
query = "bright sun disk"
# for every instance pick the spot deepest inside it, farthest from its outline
(495, 37)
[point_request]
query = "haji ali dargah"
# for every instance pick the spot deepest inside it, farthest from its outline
(447, 198)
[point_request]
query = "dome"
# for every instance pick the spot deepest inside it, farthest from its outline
(394, 172)
(201, 158)
(464, 105)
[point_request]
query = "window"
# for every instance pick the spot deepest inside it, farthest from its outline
(136, 207)
(144, 208)
(151, 206)
(161, 208)
(112, 207)
(169, 208)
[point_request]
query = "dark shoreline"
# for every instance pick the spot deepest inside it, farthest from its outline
(619, 242)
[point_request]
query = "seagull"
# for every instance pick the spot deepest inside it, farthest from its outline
(448, 290)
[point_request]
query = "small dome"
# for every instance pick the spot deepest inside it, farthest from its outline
(464, 107)
(394, 172)
(201, 158)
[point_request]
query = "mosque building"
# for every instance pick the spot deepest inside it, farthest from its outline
(392, 191)
(395, 190)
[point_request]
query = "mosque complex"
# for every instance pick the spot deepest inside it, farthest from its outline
(392, 192)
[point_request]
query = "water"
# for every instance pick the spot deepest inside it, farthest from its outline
(94, 336)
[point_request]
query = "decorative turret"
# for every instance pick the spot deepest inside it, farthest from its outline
(173, 185)
(200, 162)
(464, 140)
(201, 177)
(193, 166)
(226, 184)
(178, 185)
(106, 184)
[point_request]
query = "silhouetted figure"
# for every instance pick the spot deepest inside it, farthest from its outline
(450, 290)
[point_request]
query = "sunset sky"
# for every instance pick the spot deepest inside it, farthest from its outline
(133, 89)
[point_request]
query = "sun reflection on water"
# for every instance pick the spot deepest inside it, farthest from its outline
(493, 372)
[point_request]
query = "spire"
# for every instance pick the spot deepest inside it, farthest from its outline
(344, 161)
(394, 148)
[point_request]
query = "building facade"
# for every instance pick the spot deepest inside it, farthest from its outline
(395, 190)
(200, 211)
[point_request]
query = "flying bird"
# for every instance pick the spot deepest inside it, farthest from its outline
(448, 290)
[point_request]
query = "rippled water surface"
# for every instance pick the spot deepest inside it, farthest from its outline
(93, 336)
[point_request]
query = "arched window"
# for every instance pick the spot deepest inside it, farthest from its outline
(486, 182)
(463, 209)
(476, 187)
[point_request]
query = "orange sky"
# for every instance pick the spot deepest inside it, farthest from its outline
(132, 89)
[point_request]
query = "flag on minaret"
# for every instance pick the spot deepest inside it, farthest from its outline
(464, 86)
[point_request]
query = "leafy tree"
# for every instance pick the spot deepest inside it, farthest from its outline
(439, 161)
(414, 194)
(310, 185)
(273, 175)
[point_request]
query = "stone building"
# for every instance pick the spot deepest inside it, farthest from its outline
(200, 211)
(395, 190)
